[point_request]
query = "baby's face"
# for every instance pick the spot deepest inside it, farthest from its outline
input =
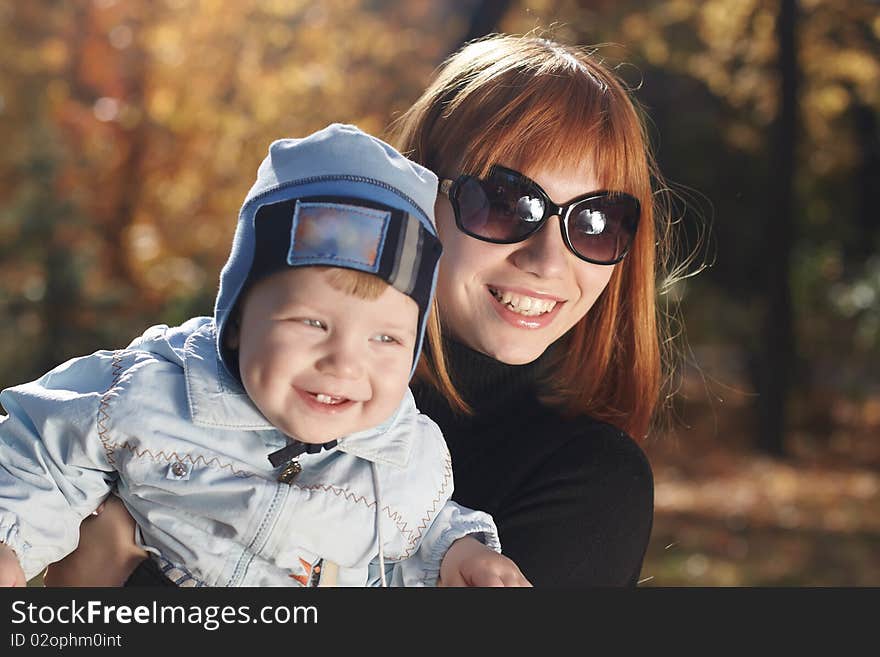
(321, 364)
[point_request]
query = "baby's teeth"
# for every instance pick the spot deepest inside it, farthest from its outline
(324, 399)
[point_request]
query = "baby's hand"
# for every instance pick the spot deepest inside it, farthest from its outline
(468, 562)
(11, 573)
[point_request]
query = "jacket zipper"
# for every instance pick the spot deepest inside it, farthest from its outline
(261, 536)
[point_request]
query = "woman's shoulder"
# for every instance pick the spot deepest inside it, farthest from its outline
(600, 450)
(604, 436)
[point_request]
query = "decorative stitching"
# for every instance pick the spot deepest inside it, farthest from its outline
(174, 456)
(116, 364)
(447, 476)
(111, 447)
(253, 201)
(412, 536)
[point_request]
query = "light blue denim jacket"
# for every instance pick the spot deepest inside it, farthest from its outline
(165, 423)
(168, 423)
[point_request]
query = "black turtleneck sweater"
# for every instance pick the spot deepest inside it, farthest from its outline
(573, 498)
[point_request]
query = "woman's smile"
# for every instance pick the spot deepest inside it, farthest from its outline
(528, 310)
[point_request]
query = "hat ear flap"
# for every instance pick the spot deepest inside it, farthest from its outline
(232, 333)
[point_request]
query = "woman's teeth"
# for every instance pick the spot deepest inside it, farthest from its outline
(327, 399)
(523, 305)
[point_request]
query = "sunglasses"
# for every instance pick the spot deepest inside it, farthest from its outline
(507, 207)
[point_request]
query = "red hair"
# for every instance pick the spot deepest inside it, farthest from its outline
(531, 103)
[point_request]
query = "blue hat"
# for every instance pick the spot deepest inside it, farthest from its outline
(342, 198)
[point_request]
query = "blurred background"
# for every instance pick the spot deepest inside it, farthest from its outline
(132, 129)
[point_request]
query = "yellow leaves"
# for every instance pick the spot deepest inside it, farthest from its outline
(721, 23)
(283, 8)
(161, 104)
(656, 51)
(182, 193)
(53, 54)
(174, 277)
(543, 6)
(677, 11)
(57, 92)
(226, 156)
(165, 43)
(859, 67)
(121, 37)
(636, 27)
(160, 272)
(265, 111)
(142, 242)
(209, 236)
(830, 100)
(129, 116)
(279, 36)
(703, 67)
(851, 68)
(744, 136)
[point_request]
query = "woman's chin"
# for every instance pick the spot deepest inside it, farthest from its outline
(515, 352)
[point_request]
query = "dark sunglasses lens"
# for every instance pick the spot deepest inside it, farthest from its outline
(498, 209)
(602, 228)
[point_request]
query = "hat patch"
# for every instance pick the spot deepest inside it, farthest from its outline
(323, 233)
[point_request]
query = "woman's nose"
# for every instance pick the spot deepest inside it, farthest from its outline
(544, 254)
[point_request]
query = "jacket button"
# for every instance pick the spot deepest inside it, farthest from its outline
(178, 469)
(289, 472)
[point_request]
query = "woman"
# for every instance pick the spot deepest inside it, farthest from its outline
(546, 297)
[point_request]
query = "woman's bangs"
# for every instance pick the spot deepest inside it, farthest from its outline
(560, 124)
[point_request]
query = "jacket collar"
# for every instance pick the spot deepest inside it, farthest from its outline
(216, 399)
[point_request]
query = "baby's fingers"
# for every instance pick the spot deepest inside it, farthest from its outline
(12, 577)
(11, 573)
(515, 578)
(487, 578)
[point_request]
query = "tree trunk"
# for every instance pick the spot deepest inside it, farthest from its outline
(484, 19)
(867, 181)
(776, 367)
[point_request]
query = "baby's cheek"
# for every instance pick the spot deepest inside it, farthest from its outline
(388, 392)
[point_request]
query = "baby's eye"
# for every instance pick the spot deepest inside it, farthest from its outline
(386, 339)
(317, 323)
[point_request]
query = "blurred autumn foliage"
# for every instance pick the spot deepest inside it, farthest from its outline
(131, 131)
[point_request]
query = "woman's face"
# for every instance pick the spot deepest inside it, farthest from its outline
(512, 301)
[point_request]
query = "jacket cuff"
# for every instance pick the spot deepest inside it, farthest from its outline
(12, 538)
(478, 525)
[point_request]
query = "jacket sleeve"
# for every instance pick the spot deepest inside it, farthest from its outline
(451, 523)
(54, 467)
